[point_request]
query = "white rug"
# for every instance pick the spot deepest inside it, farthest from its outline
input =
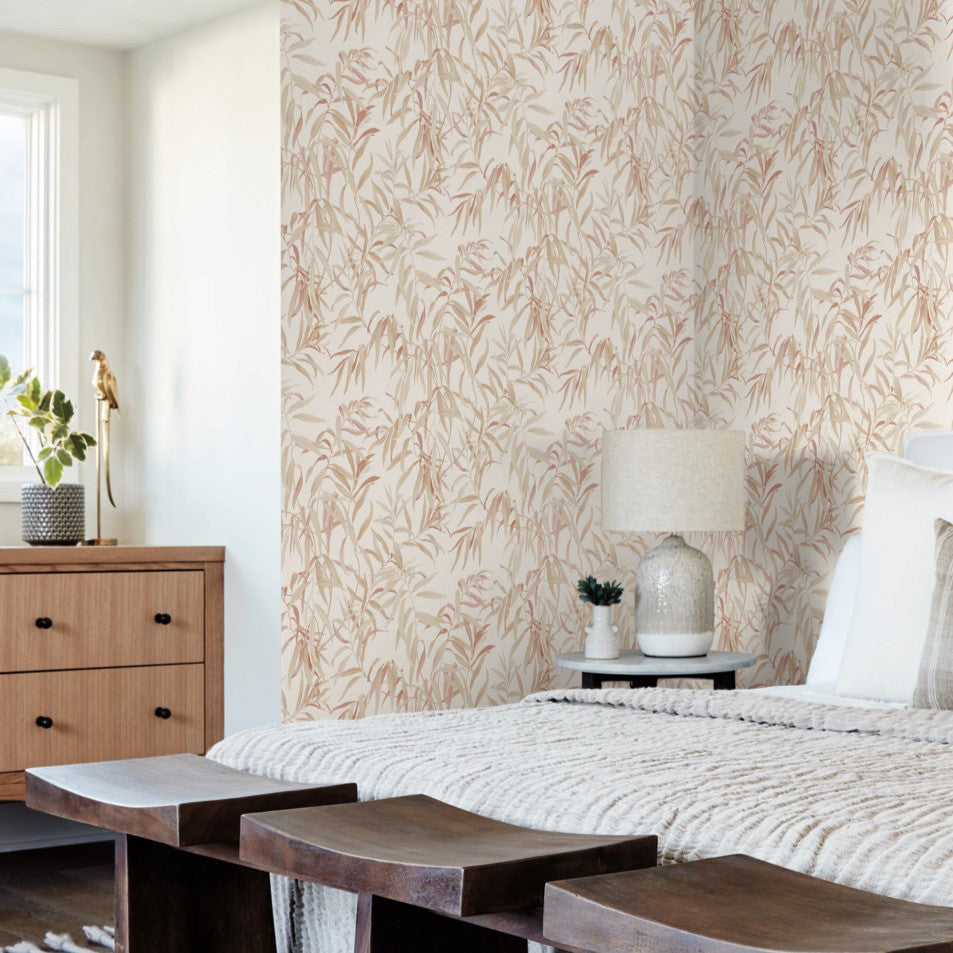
(100, 937)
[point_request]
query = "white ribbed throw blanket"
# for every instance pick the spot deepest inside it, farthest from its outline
(855, 796)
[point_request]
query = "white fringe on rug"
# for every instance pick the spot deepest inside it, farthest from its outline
(64, 943)
(99, 936)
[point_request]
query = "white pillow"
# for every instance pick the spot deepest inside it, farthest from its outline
(825, 662)
(895, 584)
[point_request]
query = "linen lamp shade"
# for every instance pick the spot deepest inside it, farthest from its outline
(673, 481)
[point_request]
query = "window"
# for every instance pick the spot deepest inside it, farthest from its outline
(14, 290)
(38, 242)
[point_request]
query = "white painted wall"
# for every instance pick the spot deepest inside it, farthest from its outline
(102, 288)
(123, 24)
(179, 279)
(202, 365)
(102, 227)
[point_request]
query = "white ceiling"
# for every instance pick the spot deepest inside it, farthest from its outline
(122, 24)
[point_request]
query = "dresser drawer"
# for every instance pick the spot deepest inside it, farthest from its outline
(100, 619)
(100, 715)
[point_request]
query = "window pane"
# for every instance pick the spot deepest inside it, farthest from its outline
(11, 344)
(11, 329)
(11, 447)
(12, 200)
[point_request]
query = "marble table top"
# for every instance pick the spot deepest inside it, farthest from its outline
(633, 662)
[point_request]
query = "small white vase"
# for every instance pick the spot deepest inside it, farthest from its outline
(602, 638)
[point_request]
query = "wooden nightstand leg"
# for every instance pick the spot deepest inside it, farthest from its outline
(171, 901)
(724, 681)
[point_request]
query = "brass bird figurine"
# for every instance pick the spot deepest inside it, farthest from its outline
(107, 391)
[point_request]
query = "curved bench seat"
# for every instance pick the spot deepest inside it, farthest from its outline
(180, 885)
(178, 799)
(736, 904)
(421, 851)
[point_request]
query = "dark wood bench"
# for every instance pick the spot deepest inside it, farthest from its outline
(180, 883)
(431, 876)
(736, 904)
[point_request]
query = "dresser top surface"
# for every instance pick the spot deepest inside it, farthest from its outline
(107, 555)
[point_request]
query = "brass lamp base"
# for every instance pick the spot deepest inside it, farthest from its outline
(100, 542)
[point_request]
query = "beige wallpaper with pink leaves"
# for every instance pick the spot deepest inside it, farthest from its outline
(509, 224)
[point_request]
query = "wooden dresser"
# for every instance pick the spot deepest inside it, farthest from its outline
(106, 653)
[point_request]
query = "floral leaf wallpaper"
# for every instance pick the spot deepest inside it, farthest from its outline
(487, 259)
(509, 224)
(823, 321)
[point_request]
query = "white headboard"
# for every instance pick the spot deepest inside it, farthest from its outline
(930, 448)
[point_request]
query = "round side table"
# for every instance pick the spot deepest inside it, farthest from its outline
(642, 671)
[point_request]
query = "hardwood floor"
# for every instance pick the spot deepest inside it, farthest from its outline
(59, 889)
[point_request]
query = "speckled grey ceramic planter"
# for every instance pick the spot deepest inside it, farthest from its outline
(54, 517)
(674, 601)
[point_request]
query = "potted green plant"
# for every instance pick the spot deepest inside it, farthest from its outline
(602, 638)
(53, 512)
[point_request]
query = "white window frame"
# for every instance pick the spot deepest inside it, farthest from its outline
(51, 326)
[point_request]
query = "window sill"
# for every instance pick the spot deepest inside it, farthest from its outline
(13, 478)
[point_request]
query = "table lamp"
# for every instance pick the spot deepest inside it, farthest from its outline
(673, 481)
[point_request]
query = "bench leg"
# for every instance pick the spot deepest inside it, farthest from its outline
(386, 926)
(171, 901)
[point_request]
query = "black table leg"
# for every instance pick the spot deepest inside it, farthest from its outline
(644, 681)
(724, 681)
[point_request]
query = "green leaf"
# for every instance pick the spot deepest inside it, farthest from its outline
(49, 413)
(52, 471)
(78, 446)
(599, 593)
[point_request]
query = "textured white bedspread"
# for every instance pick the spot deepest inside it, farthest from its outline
(855, 796)
(824, 695)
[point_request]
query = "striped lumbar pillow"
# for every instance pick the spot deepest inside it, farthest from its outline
(935, 682)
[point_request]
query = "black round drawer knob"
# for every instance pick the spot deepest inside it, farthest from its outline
(163, 618)
(44, 721)
(44, 623)
(163, 713)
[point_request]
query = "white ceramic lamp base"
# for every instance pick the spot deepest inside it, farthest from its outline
(675, 644)
(674, 601)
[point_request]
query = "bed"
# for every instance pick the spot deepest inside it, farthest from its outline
(852, 790)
